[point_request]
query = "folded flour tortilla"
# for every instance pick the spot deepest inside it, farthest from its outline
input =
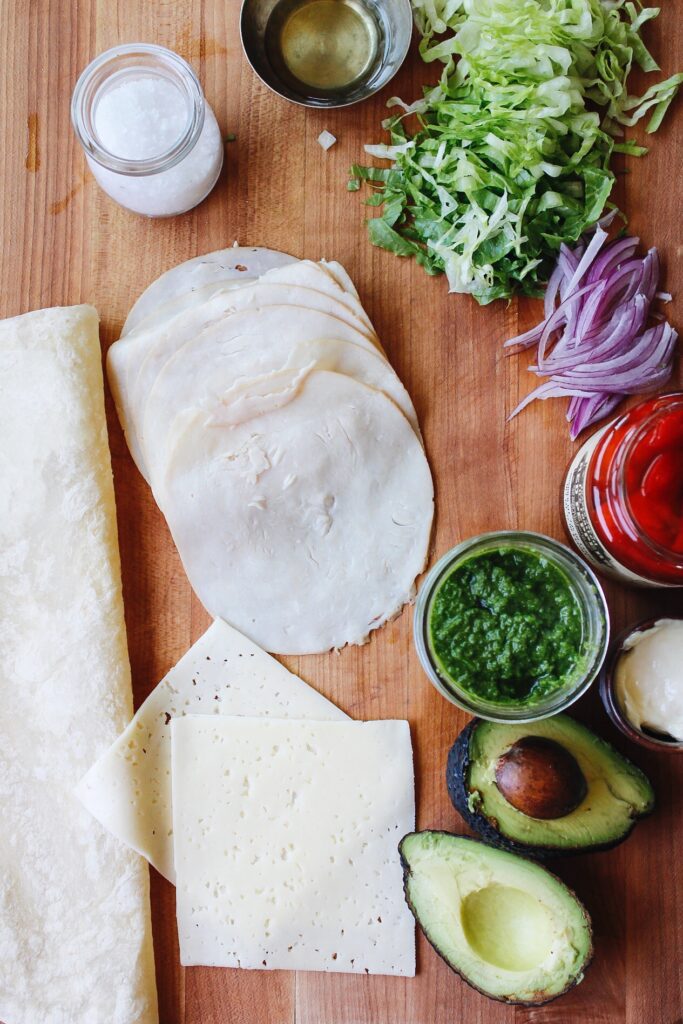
(75, 929)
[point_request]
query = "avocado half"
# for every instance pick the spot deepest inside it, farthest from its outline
(507, 926)
(611, 793)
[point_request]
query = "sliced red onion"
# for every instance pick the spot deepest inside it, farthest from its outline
(607, 218)
(568, 261)
(651, 353)
(615, 254)
(547, 390)
(552, 290)
(593, 248)
(594, 344)
(588, 410)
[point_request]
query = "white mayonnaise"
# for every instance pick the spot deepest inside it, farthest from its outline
(649, 678)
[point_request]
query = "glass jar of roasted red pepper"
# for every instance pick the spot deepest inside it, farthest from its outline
(623, 495)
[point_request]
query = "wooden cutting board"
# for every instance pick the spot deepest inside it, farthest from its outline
(64, 241)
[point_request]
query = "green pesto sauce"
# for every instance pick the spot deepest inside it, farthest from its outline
(505, 626)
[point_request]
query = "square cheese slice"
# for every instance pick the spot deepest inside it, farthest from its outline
(129, 788)
(286, 844)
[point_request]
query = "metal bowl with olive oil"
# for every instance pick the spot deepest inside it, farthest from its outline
(326, 53)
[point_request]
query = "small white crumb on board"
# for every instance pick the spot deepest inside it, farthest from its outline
(326, 139)
(129, 789)
(286, 844)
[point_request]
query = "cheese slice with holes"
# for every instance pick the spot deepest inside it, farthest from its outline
(129, 789)
(286, 844)
(75, 928)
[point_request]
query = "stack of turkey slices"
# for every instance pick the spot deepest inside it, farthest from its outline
(280, 445)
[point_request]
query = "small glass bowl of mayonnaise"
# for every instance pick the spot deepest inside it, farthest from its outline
(642, 684)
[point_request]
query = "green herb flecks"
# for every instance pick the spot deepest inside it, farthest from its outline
(505, 625)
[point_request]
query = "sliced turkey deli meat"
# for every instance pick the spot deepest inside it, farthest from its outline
(239, 263)
(306, 527)
(233, 374)
(134, 363)
(315, 277)
(196, 280)
(299, 313)
(280, 444)
(75, 933)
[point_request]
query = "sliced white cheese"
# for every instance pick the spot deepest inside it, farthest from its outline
(129, 788)
(75, 929)
(286, 844)
(305, 527)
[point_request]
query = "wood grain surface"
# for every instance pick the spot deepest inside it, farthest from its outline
(64, 241)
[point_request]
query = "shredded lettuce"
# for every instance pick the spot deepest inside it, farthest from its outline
(511, 157)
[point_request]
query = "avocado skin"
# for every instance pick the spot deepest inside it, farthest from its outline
(457, 767)
(457, 773)
(500, 999)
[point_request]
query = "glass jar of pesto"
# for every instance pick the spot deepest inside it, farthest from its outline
(511, 626)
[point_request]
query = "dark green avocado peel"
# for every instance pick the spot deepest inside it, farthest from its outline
(575, 813)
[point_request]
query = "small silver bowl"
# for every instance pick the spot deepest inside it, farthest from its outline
(394, 23)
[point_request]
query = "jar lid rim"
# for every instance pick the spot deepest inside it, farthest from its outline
(91, 80)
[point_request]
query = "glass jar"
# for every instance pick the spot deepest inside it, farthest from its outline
(589, 598)
(623, 495)
(149, 136)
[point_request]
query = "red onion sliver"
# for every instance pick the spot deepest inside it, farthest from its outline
(552, 290)
(594, 344)
(611, 257)
(596, 243)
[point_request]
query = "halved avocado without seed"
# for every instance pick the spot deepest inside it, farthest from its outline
(545, 788)
(503, 923)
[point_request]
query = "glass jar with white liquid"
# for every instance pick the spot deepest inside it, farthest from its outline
(150, 138)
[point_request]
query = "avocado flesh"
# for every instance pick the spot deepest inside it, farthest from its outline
(617, 794)
(506, 925)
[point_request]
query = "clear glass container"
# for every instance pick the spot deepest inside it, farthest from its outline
(621, 495)
(150, 138)
(613, 705)
(594, 616)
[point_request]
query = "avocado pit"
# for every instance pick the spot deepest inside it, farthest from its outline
(540, 778)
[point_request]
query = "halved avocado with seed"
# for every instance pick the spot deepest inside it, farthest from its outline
(545, 788)
(503, 923)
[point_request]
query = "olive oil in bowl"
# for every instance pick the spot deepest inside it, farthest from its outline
(324, 48)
